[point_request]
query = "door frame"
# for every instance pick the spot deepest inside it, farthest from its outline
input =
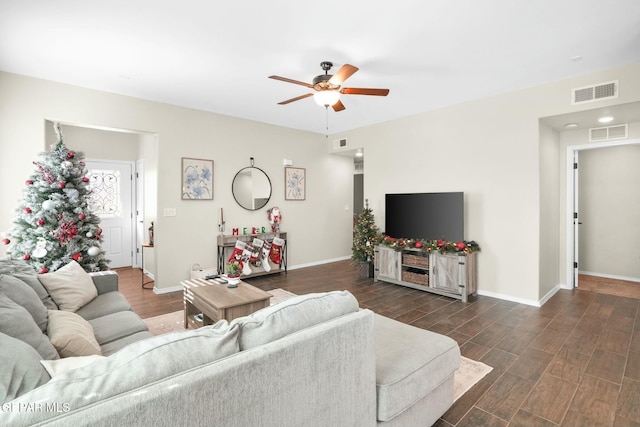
(572, 184)
(133, 201)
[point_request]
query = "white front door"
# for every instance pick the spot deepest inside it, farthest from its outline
(112, 199)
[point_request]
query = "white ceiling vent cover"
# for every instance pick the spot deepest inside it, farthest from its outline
(594, 93)
(608, 133)
(339, 143)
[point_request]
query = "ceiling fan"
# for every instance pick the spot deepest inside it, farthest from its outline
(328, 87)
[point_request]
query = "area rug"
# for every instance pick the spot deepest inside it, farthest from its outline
(467, 375)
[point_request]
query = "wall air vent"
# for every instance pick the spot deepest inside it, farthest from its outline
(339, 143)
(594, 93)
(608, 133)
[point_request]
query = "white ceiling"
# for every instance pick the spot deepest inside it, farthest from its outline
(216, 56)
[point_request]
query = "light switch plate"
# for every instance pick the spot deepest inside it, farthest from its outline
(169, 211)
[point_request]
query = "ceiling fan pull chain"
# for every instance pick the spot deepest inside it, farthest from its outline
(326, 109)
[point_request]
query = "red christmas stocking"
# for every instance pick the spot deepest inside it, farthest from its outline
(266, 249)
(276, 250)
(236, 255)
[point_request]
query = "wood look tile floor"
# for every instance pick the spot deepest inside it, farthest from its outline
(573, 362)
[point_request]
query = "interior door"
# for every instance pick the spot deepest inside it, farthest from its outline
(576, 220)
(111, 184)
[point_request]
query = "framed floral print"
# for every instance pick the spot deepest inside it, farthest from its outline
(197, 179)
(295, 183)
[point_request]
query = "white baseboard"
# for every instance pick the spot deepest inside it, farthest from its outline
(313, 264)
(610, 276)
(509, 298)
(167, 290)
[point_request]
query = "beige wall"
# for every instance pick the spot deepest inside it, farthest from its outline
(492, 149)
(319, 228)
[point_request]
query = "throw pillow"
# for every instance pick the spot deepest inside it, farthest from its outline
(23, 295)
(21, 370)
(70, 286)
(34, 283)
(71, 335)
(60, 366)
(16, 322)
(294, 314)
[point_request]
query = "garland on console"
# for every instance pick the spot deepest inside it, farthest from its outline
(440, 246)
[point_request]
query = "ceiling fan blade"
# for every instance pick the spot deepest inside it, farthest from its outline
(297, 98)
(297, 82)
(364, 91)
(343, 74)
(338, 106)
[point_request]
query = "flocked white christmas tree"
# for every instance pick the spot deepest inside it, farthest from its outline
(54, 223)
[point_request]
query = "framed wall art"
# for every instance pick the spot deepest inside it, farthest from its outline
(197, 179)
(295, 181)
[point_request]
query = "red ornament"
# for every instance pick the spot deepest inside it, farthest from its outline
(70, 155)
(81, 216)
(85, 179)
(6, 241)
(41, 222)
(62, 184)
(27, 210)
(28, 182)
(44, 270)
(418, 244)
(461, 245)
(76, 256)
(26, 257)
(440, 243)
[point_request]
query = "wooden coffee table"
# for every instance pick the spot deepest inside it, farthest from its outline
(216, 301)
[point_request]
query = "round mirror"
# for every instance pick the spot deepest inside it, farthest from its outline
(251, 188)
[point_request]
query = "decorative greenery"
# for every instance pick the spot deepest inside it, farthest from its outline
(365, 236)
(54, 223)
(234, 269)
(439, 246)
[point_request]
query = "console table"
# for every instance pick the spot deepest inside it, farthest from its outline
(227, 243)
(452, 275)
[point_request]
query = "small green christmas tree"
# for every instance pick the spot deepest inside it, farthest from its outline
(54, 223)
(365, 236)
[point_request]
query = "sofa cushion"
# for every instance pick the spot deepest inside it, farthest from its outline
(21, 371)
(291, 315)
(116, 345)
(16, 322)
(70, 286)
(60, 366)
(23, 295)
(135, 366)
(31, 279)
(71, 335)
(117, 325)
(410, 363)
(103, 304)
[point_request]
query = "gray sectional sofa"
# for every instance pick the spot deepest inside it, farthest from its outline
(312, 360)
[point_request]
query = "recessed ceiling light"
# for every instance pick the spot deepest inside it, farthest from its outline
(571, 125)
(605, 119)
(576, 58)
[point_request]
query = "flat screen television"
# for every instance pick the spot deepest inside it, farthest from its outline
(428, 216)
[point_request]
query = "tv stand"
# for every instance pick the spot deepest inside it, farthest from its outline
(452, 275)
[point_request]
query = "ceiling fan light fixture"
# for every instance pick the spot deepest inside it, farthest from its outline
(326, 98)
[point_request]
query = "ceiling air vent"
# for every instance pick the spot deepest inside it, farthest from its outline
(608, 133)
(594, 92)
(339, 143)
